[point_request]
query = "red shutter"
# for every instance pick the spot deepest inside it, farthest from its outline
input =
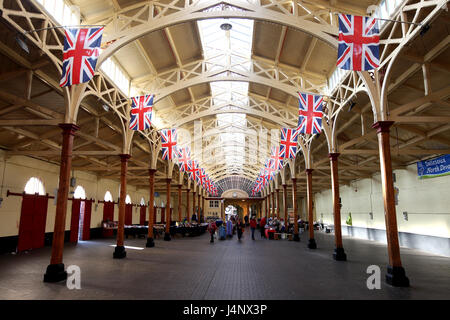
(128, 214)
(108, 214)
(33, 217)
(143, 213)
(75, 220)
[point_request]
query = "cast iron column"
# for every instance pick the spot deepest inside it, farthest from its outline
(395, 273)
(168, 213)
(312, 242)
(55, 270)
(151, 209)
(339, 253)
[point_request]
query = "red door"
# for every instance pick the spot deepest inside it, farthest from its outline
(108, 214)
(128, 214)
(142, 217)
(87, 220)
(75, 220)
(154, 214)
(163, 213)
(33, 217)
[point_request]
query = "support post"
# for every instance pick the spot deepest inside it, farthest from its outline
(55, 270)
(311, 242)
(199, 205)
(179, 202)
(278, 203)
(193, 202)
(294, 204)
(151, 209)
(339, 253)
(395, 272)
(273, 205)
(168, 213)
(286, 222)
(188, 209)
(119, 251)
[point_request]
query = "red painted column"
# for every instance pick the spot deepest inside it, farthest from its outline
(278, 203)
(151, 209)
(119, 251)
(199, 206)
(188, 209)
(286, 222)
(273, 204)
(294, 205)
(395, 272)
(55, 270)
(312, 242)
(179, 202)
(193, 202)
(168, 214)
(339, 253)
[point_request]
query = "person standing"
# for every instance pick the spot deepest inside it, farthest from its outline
(239, 228)
(262, 226)
(253, 226)
(212, 229)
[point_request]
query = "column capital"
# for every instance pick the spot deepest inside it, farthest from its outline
(152, 171)
(309, 170)
(294, 180)
(124, 157)
(168, 180)
(69, 128)
(382, 126)
(333, 156)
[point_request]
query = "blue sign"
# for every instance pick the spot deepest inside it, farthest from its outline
(436, 167)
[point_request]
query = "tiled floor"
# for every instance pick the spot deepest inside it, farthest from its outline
(192, 268)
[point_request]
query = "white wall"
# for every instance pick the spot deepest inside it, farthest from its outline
(15, 172)
(427, 202)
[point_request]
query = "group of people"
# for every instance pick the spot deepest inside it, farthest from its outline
(232, 226)
(237, 225)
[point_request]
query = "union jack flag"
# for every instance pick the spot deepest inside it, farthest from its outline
(358, 43)
(141, 112)
(169, 143)
(80, 53)
(277, 156)
(193, 170)
(289, 139)
(201, 176)
(309, 113)
(184, 155)
(269, 170)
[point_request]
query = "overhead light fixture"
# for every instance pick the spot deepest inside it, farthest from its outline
(352, 104)
(21, 41)
(424, 29)
(226, 26)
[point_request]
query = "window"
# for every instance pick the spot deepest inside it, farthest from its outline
(34, 185)
(127, 199)
(79, 193)
(108, 196)
(213, 203)
(142, 201)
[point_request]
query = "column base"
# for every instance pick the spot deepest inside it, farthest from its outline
(339, 254)
(312, 244)
(119, 252)
(55, 273)
(167, 237)
(396, 277)
(296, 237)
(150, 243)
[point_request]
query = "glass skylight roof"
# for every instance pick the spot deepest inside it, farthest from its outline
(229, 50)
